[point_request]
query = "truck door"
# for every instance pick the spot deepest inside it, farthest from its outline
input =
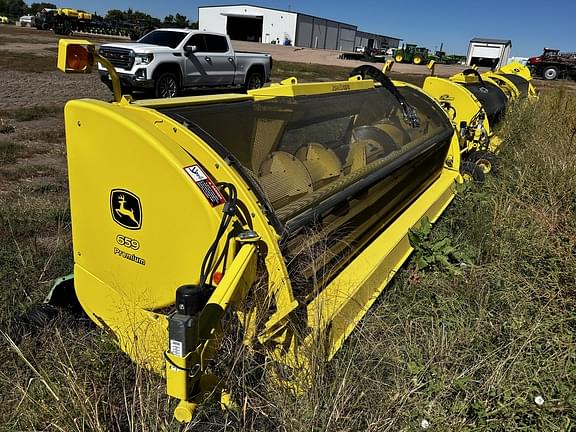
(212, 63)
(194, 69)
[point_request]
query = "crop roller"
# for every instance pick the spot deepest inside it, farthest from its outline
(180, 205)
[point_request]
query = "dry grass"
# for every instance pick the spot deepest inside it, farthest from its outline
(35, 112)
(13, 60)
(47, 135)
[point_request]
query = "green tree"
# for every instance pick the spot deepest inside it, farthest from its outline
(181, 20)
(13, 8)
(115, 14)
(168, 21)
(37, 7)
(132, 16)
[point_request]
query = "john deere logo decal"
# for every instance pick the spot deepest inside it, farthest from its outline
(126, 209)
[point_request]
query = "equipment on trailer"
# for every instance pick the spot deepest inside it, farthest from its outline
(197, 198)
(411, 53)
(440, 57)
(65, 21)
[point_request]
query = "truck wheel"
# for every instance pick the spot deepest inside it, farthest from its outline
(166, 85)
(417, 60)
(254, 80)
(550, 73)
(399, 58)
(472, 172)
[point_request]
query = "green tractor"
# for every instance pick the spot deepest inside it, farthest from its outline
(411, 53)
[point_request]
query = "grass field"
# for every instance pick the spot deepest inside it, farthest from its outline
(469, 346)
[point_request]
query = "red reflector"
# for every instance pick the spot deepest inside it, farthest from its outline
(217, 277)
(77, 58)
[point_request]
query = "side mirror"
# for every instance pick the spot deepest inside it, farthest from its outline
(190, 49)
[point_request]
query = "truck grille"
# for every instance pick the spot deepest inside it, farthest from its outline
(119, 57)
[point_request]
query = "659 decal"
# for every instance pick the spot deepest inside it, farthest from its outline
(127, 242)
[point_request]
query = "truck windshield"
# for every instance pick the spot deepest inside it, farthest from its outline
(163, 38)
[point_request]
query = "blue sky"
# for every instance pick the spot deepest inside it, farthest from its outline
(530, 25)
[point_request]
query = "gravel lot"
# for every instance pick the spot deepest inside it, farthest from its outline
(29, 77)
(46, 85)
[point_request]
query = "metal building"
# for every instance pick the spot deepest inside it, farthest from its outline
(372, 40)
(491, 53)
(266, 25)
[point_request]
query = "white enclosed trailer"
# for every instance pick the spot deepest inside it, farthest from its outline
(491, 53)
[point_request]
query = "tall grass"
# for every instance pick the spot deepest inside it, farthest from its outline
(471, 350)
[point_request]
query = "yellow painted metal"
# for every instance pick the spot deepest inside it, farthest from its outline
(343, 303)
(193, 100)
(432, 66)
(461, 106)
(387, 67)
(517, 68)
(508, 87)
(133, 149)
(66, 54)
(72, 13)
(304, 89)
(63, 54)
(469, 78)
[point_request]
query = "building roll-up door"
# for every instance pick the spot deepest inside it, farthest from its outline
(346, 36)
(304, 29)
(319, 33)
(331, 35)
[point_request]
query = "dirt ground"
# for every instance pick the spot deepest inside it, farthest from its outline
(28, 74)
(33, 92)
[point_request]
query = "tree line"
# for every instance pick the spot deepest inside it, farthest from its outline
(17, 8)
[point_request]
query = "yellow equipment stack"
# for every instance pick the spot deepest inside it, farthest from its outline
(179, 206)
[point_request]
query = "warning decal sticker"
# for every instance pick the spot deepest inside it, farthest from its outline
(176, 348)
(206, 185)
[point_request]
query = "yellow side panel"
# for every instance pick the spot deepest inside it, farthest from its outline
(118, 153)
(516, 68)
(464, 103)
(341, 305)
(311, 88)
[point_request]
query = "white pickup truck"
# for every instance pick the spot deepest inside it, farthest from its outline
(167, 61)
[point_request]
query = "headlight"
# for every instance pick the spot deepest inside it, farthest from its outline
(143, 59)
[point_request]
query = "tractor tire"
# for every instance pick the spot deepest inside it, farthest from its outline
(417, 60)
(550, 73)
(472, 172)
(487, 161)
(166, 85)
(254, 80)
(399, 58)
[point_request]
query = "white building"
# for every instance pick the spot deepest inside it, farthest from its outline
(491, 53)
(259, 24)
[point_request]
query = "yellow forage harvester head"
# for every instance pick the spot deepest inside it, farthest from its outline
(294, 162)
